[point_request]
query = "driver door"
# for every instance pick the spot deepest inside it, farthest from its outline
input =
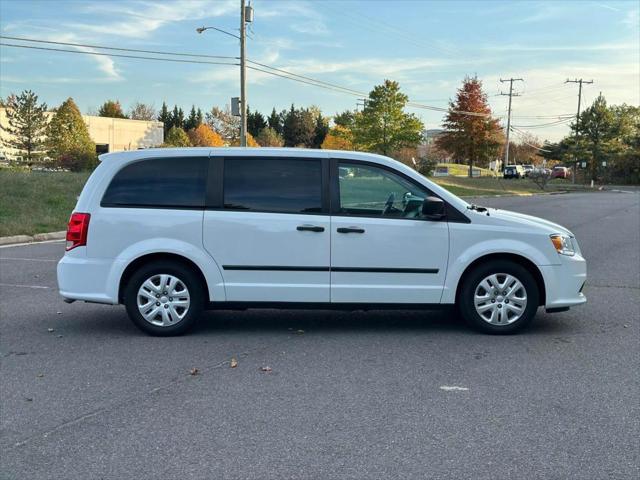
(382, 250)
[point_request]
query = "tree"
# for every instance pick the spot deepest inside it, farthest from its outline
(338, 138)
(268, 137)
(223, 122)
(142, 111)
(199, 117)
(276, 121)
(68, 139)
(255, 122)
(203, 136)
(299, 128)
(383, 126)
(321, 130)
(165, 117)
(192, 121)
(251, 142)
(26, 125)
(176, 137)
(472, 138)
(111, 109)
(177, 117)
(345, 119)
(598, 132)
(526, 149)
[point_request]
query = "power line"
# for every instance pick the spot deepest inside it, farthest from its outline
(270, 70)
(102, 47)
(138, 57)
(542, 125)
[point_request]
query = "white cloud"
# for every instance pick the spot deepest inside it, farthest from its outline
(139, 19)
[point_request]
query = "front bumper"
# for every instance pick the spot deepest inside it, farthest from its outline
(564, 282)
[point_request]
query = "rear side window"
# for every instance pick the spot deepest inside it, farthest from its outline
(161, 183)
(281, 185)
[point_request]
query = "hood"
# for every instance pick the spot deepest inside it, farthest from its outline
(529, 221)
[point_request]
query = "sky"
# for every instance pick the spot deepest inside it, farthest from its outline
(427, 46)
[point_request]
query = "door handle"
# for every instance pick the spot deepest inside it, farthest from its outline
(309, 228)
(350, 230)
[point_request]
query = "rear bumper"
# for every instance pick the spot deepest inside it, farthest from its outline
(88, 279)
(564, 282)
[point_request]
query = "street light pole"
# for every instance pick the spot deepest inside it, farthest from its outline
(243, 78)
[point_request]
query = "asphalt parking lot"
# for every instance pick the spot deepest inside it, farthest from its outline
(359, 395)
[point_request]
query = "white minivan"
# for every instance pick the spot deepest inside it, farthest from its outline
(170, 232)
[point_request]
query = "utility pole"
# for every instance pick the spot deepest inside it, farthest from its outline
(575, 159)
(243, 78)
(510, 94)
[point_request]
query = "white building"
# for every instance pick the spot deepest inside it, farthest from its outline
(109, 134)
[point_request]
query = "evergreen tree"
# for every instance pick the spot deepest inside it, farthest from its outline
(26, 125)
(383, 126)
(165, 117)
(177, 118)
(199, 117)
(471, 138)
(255, 122)
(68, 139)
(112, 109)
(192, 120)
(321, 130)
(299, 128)
(275, 121)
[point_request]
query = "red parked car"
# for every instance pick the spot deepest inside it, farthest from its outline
(560, 172)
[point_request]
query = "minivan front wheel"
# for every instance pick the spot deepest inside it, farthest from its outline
(164, 298)
(499, 297)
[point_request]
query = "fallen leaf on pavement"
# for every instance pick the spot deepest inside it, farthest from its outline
(40, 375)
(194, 371)
(233, 363)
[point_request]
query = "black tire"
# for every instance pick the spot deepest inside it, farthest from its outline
(191, 281)
(471, 282)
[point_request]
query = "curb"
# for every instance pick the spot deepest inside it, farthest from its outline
(38, 237)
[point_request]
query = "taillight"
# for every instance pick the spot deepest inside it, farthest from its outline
(77, 230)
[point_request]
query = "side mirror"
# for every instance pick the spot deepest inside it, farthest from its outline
(433, 208)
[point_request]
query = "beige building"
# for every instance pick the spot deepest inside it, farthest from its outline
(109, 134)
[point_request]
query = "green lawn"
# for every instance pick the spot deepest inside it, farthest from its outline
(465, 186)
(461, 170)
(37, 202)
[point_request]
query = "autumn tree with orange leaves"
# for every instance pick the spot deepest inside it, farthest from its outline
(204, 136)
(475, 139)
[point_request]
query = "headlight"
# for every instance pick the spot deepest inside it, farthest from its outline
(563, 244)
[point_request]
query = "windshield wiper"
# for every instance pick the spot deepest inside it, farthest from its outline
(478, 208)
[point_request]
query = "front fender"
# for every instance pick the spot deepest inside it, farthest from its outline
(205, 262)
(462, 256)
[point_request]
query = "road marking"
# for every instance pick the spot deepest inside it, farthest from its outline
(22, 286)
(453, 388)
(29, 259)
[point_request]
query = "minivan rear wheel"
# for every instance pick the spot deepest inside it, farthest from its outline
(164, 298)
(499, 297)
